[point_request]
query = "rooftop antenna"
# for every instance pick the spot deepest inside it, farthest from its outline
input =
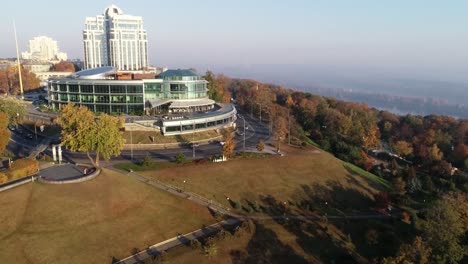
(18, 62)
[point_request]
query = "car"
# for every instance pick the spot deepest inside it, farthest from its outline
(222, 143)
(12, 128)
(30, 136)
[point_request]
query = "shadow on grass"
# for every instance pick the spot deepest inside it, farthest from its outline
(265, 247)
(339, 240)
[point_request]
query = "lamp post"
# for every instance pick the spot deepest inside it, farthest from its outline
(184, 184)
(260, 114)
(131, 144)
(289, 127)
(243, 118)
(193, 139)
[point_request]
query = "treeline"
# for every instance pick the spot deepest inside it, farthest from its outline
(347, 129)
(399, 103)
(9, 80)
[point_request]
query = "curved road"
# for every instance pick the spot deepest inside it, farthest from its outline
(255, 131)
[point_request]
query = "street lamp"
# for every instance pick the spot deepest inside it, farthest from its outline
(193, 139)
(241, 117)
(260, 112)
(184, 184)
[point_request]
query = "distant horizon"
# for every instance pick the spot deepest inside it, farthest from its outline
(294, 42)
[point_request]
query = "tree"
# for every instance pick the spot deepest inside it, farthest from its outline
(444, 228)
(180, 158)
(64, 66)
(416, 252)
(229, 143)
(9, 80)
(261, 145)
(435, 153)
(13, 108)
(4, 132)
(403, 148)
(81, 131)
(399, 186)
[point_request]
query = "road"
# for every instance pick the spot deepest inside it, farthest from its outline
(254, 132)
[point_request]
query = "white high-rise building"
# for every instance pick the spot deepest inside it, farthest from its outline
(115, 39)
(43, 48)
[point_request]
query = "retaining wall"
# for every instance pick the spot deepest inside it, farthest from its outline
(169, 145)
(77, 180)
(16, 183)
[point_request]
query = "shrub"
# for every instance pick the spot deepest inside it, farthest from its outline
(180, 158)
(261, 145)
(237, 205)
(147, 161)
(21, 168)
(210, 247)
(195, 244)
(3, 178)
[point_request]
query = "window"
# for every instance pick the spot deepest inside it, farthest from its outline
(173, 129)
(86, 89)
(117, 89)
(135, 89)
(73, 88)
(102, 88)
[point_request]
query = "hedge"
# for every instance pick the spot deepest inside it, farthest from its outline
(21, 168)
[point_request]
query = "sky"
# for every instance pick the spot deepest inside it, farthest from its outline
(429, 38)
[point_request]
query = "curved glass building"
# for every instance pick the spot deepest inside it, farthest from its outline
(176, 101)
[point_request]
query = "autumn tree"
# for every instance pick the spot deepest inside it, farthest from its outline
(261, 145)
(64, 66)
(4, 132)
(229, 143)
(82, 131)
(9, 80)
(403, 148)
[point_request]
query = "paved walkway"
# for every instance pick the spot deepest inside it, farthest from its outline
(185, 239)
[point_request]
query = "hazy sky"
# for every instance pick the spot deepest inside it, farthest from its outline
(399, 34)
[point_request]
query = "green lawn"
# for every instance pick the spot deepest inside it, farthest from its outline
(90, 222)
(371, 177)
(127, 166)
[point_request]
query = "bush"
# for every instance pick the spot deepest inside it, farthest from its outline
(261, 145)
(3, 178)
(180, 158)
(195, 244)
(22, 168)
(147, 162)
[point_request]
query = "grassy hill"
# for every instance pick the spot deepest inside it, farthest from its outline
(306, 182)
(90, 222)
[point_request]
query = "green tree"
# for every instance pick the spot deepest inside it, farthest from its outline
(180, 158)
(444, 228)
(13, 108)
(82, 131)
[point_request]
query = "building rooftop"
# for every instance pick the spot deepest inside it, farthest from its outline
(178, 72)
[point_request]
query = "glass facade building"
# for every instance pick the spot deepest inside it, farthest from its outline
(176, 89)
(177, 99)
